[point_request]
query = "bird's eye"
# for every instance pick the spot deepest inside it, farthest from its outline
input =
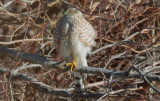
(70, 11)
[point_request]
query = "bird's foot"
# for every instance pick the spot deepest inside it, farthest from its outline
(72, 65)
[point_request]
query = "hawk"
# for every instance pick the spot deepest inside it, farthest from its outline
(74, 37)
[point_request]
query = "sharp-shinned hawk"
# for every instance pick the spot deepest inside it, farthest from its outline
(73, 37)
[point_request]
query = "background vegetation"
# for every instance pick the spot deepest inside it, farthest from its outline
(128, 42)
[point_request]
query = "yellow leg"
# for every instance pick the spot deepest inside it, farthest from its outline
(72, 65)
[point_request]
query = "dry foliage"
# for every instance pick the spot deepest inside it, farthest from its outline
(128, 34)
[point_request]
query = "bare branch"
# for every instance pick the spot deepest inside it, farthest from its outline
(46, 88)
(60, 66)
(146, 80)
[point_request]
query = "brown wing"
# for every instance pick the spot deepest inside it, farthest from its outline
(60, 31)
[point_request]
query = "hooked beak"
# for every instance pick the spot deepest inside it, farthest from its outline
(66, 12)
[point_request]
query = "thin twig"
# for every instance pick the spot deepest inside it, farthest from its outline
(145, 79)
(23, 40)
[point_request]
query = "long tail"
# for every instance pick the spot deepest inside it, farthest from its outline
(79, 79)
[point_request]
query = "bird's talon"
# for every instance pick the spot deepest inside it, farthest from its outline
(72, 65)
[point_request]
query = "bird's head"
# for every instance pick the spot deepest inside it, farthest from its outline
(72, 12)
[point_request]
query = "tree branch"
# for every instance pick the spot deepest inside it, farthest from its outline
(37, 59)
(46, 88)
